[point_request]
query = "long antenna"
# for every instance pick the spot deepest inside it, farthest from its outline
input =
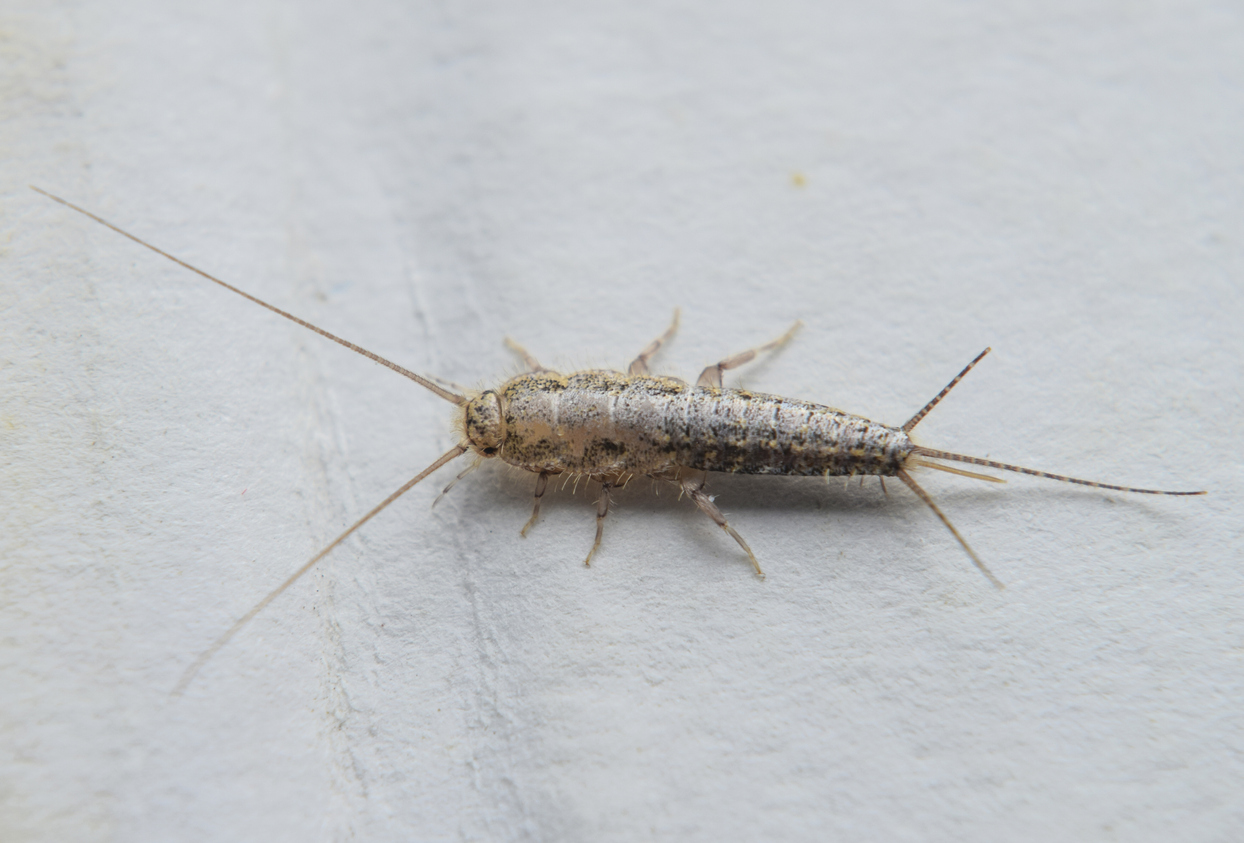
(451, 397)
(452, 454)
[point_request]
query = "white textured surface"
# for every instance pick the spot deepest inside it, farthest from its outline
(1063, 183)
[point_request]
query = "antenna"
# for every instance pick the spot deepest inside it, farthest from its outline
(197, 664)
(451, 397)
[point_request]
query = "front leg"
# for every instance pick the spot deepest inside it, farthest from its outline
(542, 483)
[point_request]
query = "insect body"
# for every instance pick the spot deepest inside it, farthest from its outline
(610, 427)
(610, 423)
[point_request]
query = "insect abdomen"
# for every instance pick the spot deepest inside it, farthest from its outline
(609, 423)
(749, 433)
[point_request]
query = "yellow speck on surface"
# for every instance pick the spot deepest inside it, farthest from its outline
(798, 179)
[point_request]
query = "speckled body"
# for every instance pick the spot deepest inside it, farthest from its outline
(603, 423)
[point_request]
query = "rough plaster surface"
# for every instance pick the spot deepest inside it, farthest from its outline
(1062, 181)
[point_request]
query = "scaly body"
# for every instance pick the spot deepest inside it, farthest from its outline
(603, 423)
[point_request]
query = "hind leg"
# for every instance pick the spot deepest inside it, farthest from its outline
(711, 376)
(695, 490)
(639, 366)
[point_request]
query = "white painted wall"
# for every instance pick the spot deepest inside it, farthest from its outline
(915, 181)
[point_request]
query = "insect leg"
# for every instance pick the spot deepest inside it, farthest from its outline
(542, 483)
(695, 490)
(602, 509)
(711, 376)
(454, 482)
(639, 366)
(532, 364)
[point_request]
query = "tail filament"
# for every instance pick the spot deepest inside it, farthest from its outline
(947, 455)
